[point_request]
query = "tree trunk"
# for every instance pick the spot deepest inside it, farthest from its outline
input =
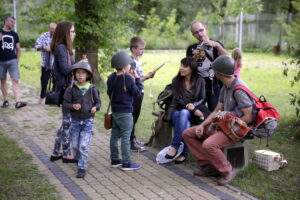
(92, 55)
(86, 43)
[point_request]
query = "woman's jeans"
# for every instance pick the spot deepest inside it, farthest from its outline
(181, 121)
(122, 124)
(63, 136)
(81, 134)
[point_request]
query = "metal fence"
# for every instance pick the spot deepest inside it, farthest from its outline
(262, 31)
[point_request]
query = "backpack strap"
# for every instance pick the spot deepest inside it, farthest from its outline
(247, 91)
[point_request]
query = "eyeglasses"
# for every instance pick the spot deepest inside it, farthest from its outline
(72, 31)
(198, 31)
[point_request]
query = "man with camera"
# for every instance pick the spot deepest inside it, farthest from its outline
(206, 51)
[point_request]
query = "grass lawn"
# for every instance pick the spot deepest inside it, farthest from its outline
(263, 74)
(19, 179)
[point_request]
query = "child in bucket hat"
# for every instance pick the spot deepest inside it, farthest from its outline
(83, 101)
(122, 86)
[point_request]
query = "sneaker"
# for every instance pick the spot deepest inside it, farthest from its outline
(135, 147)
(224, 180)
(20, 104)
(139, 142)
(80, 173)
(5, 104)
(130, 166)
(41, 100)
(116, 163)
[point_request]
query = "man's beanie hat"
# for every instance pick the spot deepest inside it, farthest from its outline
(120, 59)
(83, 65)
(224, 65)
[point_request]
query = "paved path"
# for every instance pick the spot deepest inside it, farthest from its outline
(35, 126)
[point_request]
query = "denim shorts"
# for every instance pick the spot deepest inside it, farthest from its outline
(11, 66)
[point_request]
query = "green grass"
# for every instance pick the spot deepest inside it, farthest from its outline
(263, 74)
(19, 179)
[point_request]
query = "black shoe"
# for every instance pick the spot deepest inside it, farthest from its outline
(80, 173)
(67, 160)
(55, 158)
(116, 163)
(169, 156)
(5, 104)
(177, 162)
(20, 104)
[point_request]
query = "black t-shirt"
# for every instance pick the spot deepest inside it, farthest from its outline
(8, 45)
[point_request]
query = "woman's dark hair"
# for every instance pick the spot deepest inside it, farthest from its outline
(187, 62)
(62, 36)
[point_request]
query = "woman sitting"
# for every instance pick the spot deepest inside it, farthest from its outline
(187, 105)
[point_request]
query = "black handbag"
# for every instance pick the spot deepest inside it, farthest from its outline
(52, 96)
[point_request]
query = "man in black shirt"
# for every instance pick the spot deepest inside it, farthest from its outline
(206, 51)
(10, 52)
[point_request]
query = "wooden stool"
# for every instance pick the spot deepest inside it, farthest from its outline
(237, 154)
(165, 135)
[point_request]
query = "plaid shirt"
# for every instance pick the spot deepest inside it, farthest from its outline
(47, 58)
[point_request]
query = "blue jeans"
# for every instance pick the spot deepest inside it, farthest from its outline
(122, 124)
(81, 134)
(181, 121)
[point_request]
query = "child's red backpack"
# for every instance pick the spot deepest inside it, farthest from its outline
(266, 116)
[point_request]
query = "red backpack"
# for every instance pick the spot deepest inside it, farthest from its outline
(266, 116)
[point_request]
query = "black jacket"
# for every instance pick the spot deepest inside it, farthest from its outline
(62, 70)
(180, 101)
(91, 98)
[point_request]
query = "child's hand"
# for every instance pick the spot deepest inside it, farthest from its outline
(151, 74)
(134, 73)
(93, 110)
(77, 106)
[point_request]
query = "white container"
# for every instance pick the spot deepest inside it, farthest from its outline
(269, 160)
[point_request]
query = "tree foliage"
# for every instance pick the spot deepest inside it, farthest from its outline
(293, 32)
(99, 24)
(160, 33)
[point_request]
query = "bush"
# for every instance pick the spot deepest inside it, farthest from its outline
(27, 38)
(163, 34)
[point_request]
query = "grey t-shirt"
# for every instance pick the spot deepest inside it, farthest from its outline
(239, 101)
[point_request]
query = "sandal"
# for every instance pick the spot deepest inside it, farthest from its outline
(68, 160)
(55, 158)
(5, 104)
(20, 104)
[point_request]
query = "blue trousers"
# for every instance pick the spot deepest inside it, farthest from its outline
(122, 124)
(181, 121)
(63, 136)
(81, 134)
